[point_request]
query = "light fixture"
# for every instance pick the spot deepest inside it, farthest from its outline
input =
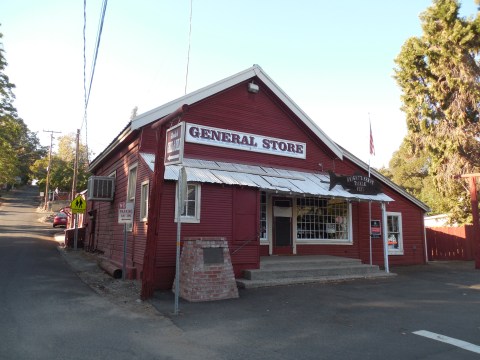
(253, 88)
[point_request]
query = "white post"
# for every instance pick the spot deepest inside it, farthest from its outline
(370, 227)
(385, 237)
(182, 185)
(124, 262)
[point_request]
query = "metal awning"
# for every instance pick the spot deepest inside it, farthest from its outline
(262, 177)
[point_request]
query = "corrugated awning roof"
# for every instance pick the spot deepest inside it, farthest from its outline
(265, 178)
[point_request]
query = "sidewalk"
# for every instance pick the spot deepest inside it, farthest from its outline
(125, 293)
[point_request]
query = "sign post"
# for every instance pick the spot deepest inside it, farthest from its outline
(125, 217)
(182, 191)
(78, 205)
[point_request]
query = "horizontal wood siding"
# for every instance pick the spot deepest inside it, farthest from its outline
(216, 217)
(108, 235)
(238, 110)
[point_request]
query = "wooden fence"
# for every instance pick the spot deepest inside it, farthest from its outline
(450, 243)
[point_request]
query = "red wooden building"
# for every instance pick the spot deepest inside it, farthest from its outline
(260, 173)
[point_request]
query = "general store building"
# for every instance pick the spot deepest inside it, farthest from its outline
(260, 173)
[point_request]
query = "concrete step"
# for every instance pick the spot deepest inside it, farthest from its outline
(252, 284)
(302, 271)
(288, 270)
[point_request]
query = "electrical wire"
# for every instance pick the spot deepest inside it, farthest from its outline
(94, 61)
(189, 42)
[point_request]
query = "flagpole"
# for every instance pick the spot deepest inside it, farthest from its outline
(372, 150)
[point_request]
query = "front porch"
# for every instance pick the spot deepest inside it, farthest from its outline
(290, 270)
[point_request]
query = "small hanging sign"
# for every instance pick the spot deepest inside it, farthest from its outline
(355, 184)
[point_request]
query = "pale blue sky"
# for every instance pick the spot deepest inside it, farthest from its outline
(335, 59)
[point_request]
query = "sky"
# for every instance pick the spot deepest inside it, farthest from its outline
(334, 59)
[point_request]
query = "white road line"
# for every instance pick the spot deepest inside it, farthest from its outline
(455, 342)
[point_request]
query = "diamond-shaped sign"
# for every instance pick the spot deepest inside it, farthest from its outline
(78, 205)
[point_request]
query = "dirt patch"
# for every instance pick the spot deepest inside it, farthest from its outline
(124, 293)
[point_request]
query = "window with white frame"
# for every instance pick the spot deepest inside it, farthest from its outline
(263, 216)
(131, 188)
(191, 204)
(394, 233)
(323, 220)
(144, 191)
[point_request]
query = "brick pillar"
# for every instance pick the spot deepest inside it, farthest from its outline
(206, 271)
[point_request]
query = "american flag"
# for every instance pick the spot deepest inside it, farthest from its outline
(372, 146)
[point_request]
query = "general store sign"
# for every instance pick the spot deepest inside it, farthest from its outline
(206, 135)
(125, 213)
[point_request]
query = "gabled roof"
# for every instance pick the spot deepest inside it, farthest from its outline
(374, 173)
(254, 71)
(160, 112)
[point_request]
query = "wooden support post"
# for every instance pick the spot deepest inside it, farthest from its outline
(476, 221)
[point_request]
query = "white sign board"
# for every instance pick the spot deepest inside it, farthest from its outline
(125, 213)
(174, 144)
(206, 135)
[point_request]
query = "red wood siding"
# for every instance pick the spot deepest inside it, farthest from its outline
(108, 234)
(232, 212)
(216, 218)
(257, 114)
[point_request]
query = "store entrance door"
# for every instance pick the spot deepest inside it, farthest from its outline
(282, 226)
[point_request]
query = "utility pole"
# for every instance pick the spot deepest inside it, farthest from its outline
(75, 166)
(49, 165)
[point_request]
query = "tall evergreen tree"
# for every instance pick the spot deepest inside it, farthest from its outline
(439, 75)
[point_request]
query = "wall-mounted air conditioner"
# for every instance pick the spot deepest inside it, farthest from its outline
(101, 188)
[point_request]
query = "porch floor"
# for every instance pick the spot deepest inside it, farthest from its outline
(289, 270)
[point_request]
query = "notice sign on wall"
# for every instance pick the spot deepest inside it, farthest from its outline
(206, 135)
(125, 213)
(375, 229)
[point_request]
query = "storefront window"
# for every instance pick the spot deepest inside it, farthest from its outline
(394, 233)
(263, 215)
(322, 219)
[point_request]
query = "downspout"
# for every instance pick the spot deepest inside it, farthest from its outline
(148, 273)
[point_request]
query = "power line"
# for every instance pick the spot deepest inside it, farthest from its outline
(94, 61)
(189, 42)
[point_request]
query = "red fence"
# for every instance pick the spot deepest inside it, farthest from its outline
(450, 243)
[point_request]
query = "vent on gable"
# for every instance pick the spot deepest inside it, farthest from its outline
(101, 188)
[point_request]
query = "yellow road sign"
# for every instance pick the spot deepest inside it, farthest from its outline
(78, 205)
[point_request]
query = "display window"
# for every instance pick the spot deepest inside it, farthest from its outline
(323, 220)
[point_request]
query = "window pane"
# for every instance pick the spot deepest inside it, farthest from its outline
(132, 177)
(322, 218)
(263, 215)
(189, 206)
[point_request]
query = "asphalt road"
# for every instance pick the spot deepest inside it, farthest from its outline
(47, 312)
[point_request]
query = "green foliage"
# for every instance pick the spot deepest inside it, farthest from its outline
(19, 147)
(62, 166)
(439, 75)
